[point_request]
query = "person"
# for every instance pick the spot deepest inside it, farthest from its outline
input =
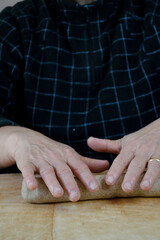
(79, 92)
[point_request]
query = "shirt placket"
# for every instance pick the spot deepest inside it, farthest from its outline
(88, 19)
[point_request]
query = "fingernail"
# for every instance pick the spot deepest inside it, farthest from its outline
(29, 183)
(73, 195)
(93, 186)
(128, 186)
(110, 179)
(146, 183)
(56, 191)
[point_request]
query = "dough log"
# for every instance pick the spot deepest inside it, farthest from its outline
(42, 194)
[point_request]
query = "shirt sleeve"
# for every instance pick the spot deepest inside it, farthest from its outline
(11, 66)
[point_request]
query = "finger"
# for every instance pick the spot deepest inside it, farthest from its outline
(66, 178)
(95, 165)
(104, 145)
(82, 171)
(84, 174)
(151, 175)
(48, 175)
(134, 171)
(28, 171)
(119, 164)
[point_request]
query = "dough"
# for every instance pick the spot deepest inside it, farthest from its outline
(42, 194)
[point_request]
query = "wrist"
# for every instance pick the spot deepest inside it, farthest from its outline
(8, 141)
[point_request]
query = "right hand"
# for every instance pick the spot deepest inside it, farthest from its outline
(55, 162)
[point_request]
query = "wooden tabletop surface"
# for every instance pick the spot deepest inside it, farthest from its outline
(116, 219)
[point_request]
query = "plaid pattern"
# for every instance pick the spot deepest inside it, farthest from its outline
(71, 71)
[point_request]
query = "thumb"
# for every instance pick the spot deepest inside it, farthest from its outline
(104, 145)
(96, 165)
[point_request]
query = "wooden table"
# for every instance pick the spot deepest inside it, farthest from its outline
(135, 218)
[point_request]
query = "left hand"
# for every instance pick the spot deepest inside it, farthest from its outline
(134, 151)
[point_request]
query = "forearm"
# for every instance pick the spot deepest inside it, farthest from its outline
(6, 159)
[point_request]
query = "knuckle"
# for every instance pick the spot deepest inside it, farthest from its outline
(24, 168)
(70, 151)
(119, 163)
(143, 150)
(131, 146)
(81, 169)
(63, 172)
(45, 171)
(129, 141)
(142, 147)
(124, 158)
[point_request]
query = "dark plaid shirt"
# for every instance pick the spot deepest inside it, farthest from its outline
(71, 71)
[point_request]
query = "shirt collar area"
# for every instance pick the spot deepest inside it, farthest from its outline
(73, 5)
(72, 11)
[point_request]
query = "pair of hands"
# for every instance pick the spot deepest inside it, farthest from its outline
(57, 162)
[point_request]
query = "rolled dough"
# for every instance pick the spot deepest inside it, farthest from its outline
(42, 194)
